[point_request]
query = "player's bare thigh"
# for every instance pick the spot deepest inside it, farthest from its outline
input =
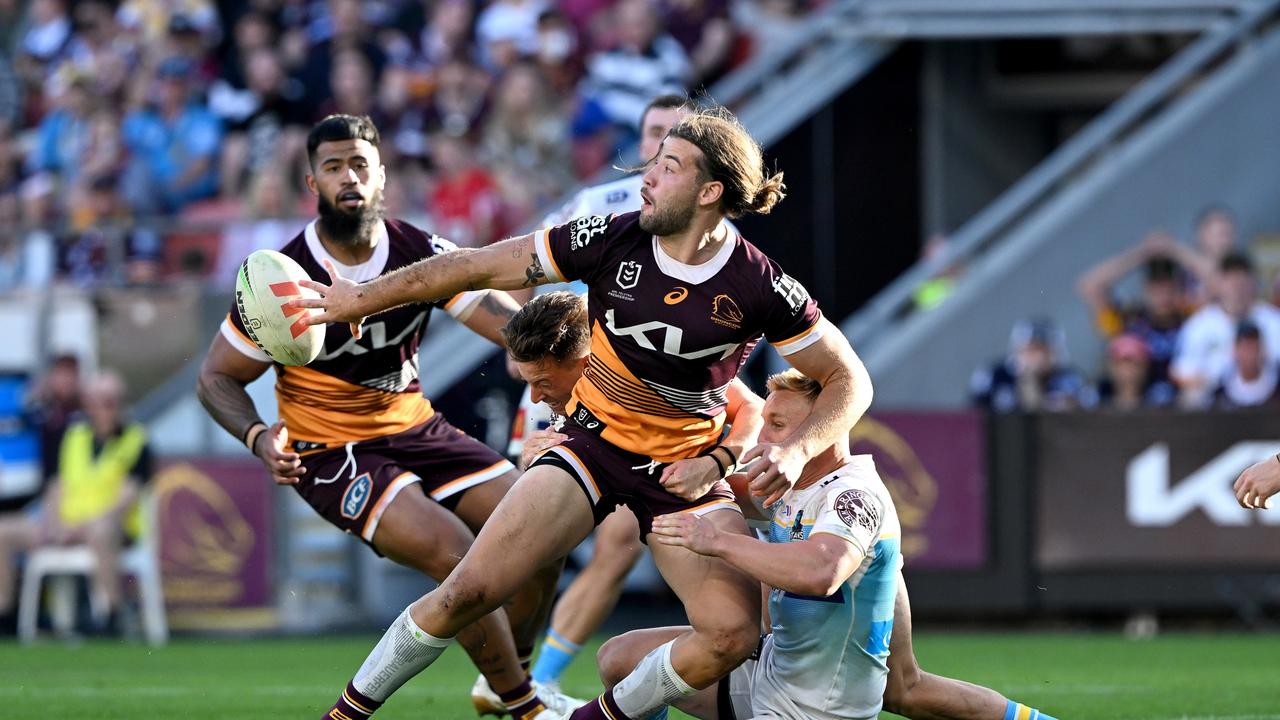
(722, 603)
(478, 503)
(618, 539)
(539, 521)
(418, 532)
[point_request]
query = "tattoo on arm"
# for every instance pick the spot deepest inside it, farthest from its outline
(534, 274)
(227, 402)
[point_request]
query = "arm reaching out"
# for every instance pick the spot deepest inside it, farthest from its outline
(507, 265)
(845, 395)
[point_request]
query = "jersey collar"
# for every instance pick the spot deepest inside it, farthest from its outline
(365, 271)
(696, 274)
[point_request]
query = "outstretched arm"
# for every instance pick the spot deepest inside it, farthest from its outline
(845, 395)
(506, 265)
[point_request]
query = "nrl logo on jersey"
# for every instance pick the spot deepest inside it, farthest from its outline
(792, 292)
(628, 274)
(584, 229)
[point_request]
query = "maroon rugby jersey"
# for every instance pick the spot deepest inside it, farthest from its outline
(364, 388)
(666, 337)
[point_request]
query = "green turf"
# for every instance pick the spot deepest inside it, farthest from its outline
(1198, 677)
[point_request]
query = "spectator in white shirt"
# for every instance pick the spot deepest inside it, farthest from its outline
(1251, 379)
(1205, 343)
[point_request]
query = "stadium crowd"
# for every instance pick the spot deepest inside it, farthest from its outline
(148, 137)
(1200, 334)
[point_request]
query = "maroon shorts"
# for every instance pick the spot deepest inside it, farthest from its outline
(351, 486)
(611, 476)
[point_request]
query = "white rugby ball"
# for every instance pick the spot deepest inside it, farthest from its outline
(266, 281)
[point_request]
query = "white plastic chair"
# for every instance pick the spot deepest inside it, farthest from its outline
(62, 564)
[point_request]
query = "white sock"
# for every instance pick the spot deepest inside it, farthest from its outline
(404, 651)
(652, 685)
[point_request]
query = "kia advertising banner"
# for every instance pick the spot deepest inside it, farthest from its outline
(934, 466)
(1152, 490)
(215, 543)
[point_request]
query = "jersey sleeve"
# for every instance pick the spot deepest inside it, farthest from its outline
(233, 330)
(574, 250)
(853, 514)
(793, 318)
(459, 306)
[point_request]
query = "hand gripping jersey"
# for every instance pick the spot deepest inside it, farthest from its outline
(666, 337)
(358, 389)
(827, 655)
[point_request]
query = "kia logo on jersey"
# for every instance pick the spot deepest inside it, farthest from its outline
(628, 274)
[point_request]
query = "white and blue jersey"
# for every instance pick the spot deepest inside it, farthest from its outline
(827, 656)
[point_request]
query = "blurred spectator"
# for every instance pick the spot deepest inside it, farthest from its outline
(460, 100)
(270, 221)
(44, 44)
(1034, 376)
(109, 243)
(1204, 345)
(62, 139)
(173, 146)
(645, 62)
(153, 20)
(100, 50)
(54, 403)
(557, 49)
(527, 132)
(1216, 238)
(1158, 313)
(343, 28)
(103, 464)
(26, 257)
(448, 35)
(703, 29)
(266, 122)
(351, 87)
(507, 30)
(1130, 382)
(10, 96)
(464, 202)
(1250, 380)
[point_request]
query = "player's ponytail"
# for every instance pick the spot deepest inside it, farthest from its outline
(731, 157)
(770, 193)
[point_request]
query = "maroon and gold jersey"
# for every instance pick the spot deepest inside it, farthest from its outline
(666, 337)
(357, 389)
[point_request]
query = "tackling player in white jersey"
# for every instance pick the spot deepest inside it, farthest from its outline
(833, 563)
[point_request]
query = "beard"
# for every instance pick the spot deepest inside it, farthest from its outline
(669, 220)
(350, 227)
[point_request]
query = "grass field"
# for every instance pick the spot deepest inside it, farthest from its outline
(1084, 676)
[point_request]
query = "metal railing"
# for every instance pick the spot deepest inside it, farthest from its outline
(1086, 147)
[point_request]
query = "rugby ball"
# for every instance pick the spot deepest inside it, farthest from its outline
(267, 281)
